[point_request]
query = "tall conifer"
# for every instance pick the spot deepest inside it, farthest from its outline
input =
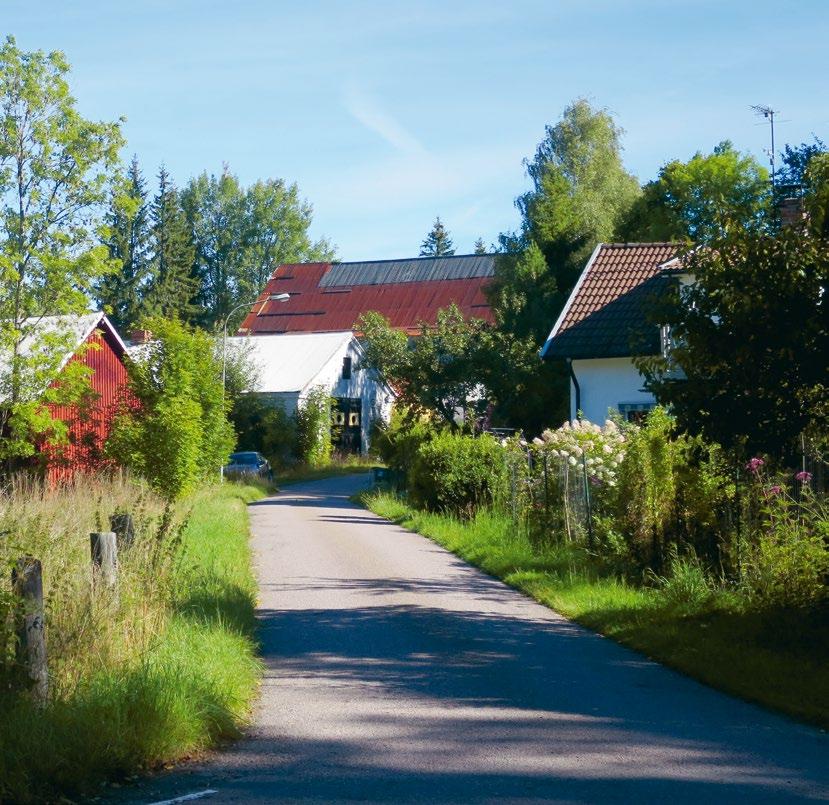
(437, 243)
(128, 239)
(173, 287)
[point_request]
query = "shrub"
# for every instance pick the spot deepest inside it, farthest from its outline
(398, 441)
(177, 434)
(458, 474)
(789, 561)
(313, 427)
(261, 425)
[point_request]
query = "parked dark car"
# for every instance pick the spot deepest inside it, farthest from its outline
(249, 463)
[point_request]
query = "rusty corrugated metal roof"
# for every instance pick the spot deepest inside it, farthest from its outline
(320, 305)
(605, 316)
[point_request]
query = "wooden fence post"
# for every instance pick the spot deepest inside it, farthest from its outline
(124, 528)
(27, 583)
(104, 557)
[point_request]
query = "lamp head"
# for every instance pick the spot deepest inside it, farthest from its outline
(279, 297)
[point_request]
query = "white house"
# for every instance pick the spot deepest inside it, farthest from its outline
(288, 366)
(605, 323)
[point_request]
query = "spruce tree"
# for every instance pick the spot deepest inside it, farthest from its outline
(173, 287)
(437, 243)
(480, 246)
(128, 239)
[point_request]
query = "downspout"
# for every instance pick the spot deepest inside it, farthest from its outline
(586, 485)
(575, 386)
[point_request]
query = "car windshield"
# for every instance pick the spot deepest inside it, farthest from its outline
(244, 458)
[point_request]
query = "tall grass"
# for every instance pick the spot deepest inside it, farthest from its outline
(776, 657)
(156, 673)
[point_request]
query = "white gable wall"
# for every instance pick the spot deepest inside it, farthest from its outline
(605, 383)
(376, 397)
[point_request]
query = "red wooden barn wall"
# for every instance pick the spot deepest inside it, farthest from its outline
(89, 428)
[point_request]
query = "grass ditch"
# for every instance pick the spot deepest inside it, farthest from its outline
(776, 658)
(158, 674)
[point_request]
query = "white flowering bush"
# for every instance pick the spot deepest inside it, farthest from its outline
(600, 449)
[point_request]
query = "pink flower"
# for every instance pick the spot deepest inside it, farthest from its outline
(803, 476)
(774, 490)
(755, 464)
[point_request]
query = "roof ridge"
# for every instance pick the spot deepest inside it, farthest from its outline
(626, 244)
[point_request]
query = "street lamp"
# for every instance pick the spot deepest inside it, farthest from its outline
(274, 297)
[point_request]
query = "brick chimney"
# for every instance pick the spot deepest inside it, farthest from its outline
(141, 336)
(792, 211)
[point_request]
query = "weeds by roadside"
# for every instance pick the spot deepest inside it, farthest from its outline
(774, 656)
(155, 674)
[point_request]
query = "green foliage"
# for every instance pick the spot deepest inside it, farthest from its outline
(172, 288)
(480, 247)
(788, 559)
(770, 656)
(313, 427)
(261, 425)
(580, 190)
(165, 670)
(440, 372)
(241, 235)
(702, 199)
(54, 169)
(647, 486)
(687, 586)
(437, 243)
(750, 342)
(397, 442)
(121, 292)
(178, 433)
(457, 473)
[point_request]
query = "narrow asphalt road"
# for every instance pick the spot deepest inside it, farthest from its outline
(395, 672)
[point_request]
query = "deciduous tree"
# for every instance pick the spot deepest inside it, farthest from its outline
(750, 356)
(702, 199)
(54, 170)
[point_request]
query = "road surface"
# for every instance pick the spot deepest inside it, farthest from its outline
(395, 672)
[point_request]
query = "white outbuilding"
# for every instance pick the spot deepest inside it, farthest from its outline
(289, 366)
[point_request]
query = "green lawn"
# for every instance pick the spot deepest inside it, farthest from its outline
(175, 675)
(776, 658)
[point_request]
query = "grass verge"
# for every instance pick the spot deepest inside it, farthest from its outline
(776, 658)
(172, 671)
(337, 468)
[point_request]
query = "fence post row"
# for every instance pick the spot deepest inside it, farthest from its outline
(104, 557)
(27, 583)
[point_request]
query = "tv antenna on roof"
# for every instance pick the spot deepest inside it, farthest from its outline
(768, 113)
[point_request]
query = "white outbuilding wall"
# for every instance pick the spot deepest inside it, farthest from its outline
(607, 383)
(291, 366)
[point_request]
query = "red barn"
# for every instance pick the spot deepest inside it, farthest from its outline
(330, 297)
(93, 341)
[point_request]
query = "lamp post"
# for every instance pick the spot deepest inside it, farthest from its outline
(274, 297)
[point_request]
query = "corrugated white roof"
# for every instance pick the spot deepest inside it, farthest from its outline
(290, 361)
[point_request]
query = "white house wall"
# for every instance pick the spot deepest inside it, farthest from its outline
(605, 383)
(362, 385)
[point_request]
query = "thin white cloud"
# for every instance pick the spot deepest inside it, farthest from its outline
(365, 110)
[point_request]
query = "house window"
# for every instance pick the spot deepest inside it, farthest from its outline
(636, 412)
(346, 368)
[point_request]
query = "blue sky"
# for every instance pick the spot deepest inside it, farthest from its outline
(389, 113)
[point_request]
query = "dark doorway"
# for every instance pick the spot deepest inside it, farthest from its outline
(345, 425)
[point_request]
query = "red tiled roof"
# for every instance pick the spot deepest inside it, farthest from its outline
(315, 306)
(606, 316)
